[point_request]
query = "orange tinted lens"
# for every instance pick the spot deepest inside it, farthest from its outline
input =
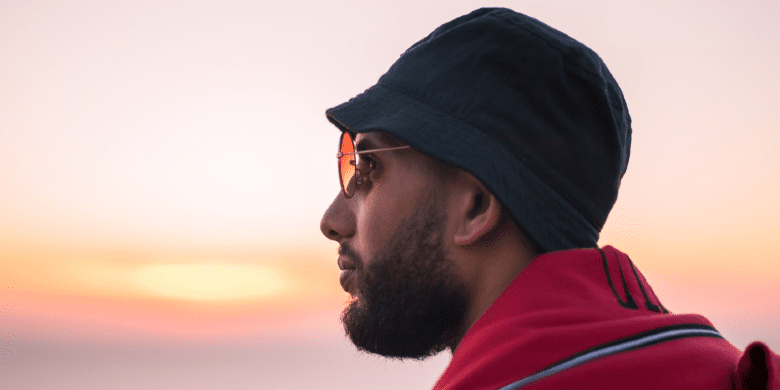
(346, 167)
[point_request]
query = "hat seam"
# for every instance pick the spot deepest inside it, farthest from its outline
(499, 144)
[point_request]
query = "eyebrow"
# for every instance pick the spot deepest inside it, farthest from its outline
(375, 142)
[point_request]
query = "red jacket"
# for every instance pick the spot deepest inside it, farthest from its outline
(587, 319)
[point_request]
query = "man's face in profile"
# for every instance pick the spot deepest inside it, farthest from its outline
(407, 299)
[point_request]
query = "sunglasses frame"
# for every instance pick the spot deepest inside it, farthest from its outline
(357, 175)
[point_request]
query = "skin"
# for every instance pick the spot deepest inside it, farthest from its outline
(486, 246)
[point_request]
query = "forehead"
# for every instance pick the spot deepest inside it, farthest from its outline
(377, 139)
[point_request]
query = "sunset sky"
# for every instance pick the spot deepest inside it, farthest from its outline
(164, 166)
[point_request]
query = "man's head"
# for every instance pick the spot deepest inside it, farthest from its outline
(519, 139)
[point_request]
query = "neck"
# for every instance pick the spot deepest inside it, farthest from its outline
(490, 266)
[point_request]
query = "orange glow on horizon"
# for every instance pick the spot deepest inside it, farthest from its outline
(173, 274)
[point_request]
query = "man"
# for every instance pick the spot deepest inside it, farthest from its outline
(476, 176)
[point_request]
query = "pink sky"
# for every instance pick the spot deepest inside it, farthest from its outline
(164, 166)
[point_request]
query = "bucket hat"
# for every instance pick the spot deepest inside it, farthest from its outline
(533, 114)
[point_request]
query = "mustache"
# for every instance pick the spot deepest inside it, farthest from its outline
(346, 251)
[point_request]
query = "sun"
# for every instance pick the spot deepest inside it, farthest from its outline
(210, 282)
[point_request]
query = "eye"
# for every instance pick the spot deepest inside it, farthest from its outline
(364, 162)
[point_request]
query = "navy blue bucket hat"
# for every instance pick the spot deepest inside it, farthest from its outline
(532, 113)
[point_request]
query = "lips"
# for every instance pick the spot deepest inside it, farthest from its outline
(347, 280)
(347, 277)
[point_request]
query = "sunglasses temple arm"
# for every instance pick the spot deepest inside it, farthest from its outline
(374, 150)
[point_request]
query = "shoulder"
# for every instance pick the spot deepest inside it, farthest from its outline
(589, 319)
(660, 358)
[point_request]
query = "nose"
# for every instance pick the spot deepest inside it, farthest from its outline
(338, 221)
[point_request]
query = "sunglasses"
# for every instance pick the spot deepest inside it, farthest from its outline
(349, 160)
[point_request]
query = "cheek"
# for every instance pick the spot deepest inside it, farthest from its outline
(392, 196)
(377, 218)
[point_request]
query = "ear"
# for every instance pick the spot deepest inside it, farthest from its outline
(478, 212)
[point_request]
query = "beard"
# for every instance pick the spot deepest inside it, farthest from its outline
(411, 303)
